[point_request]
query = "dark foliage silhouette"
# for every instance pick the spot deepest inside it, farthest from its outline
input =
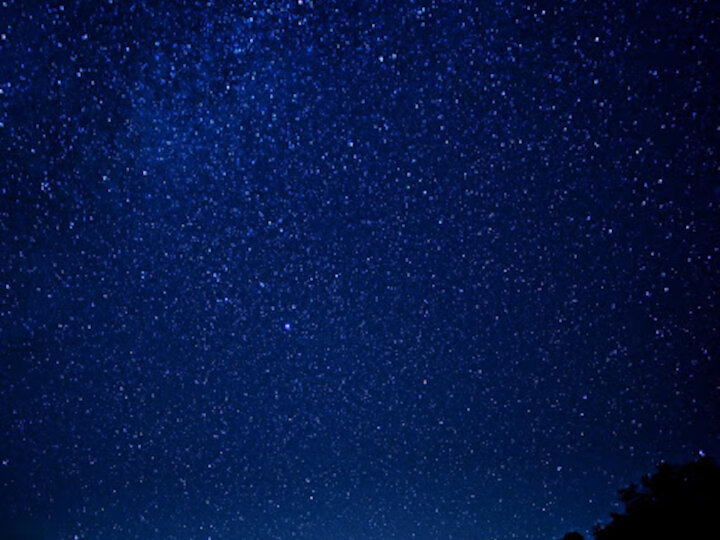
(19, 529)
(678, 501)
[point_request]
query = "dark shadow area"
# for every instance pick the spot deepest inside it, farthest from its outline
(677, 501)
(573, 536)
(23, 530)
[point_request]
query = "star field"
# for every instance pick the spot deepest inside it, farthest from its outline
(352, 270)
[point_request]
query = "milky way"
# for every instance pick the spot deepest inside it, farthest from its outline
(352, 270)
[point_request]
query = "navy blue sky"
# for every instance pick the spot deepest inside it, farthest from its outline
(360, 270)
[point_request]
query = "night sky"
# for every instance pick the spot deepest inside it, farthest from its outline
(352, 270)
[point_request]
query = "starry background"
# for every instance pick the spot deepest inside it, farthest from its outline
(360, 270)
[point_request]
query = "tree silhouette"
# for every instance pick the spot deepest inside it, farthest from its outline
(678, 501)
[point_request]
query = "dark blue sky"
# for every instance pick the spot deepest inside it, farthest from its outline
(352, 270)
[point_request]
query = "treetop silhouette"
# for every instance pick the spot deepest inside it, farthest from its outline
(677, 501)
